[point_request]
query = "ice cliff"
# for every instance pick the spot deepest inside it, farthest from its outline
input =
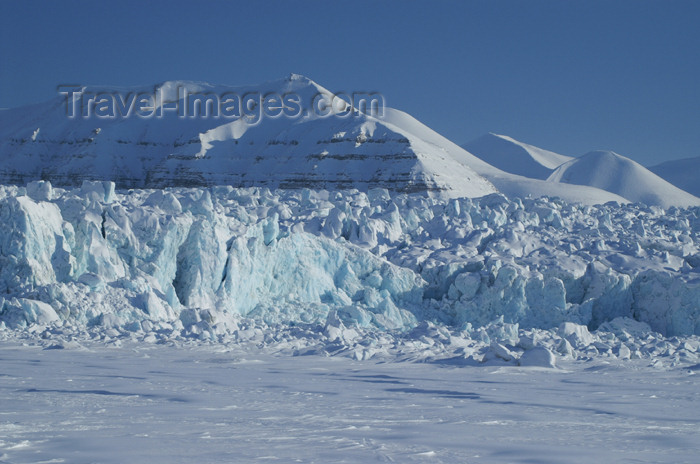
(198, 259)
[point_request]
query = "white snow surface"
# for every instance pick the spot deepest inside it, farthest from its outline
(618, 174)
(510, 155)
(71, 396)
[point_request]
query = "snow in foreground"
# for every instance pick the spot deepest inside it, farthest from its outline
(94, 402)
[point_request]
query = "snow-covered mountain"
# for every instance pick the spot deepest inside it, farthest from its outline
(618, 174)
(40, 142)
(349, 149)
(683, 173)
(600, 169)
(393, 151)
(510, 155)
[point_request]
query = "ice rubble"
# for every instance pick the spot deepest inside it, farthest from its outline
(199, 261)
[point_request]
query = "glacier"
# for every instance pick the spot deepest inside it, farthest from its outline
(197, 260)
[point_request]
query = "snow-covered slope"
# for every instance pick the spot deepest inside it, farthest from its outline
(512, 185)
(615, 173)
(510, 155)
(683, 173)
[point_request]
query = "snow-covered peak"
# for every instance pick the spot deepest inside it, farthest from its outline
(309, 146)
(298, 77)
(615, 173)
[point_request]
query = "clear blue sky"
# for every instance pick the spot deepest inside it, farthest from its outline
(563, 75)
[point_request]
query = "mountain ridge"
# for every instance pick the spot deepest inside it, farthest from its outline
(289, 143)
(39, 142)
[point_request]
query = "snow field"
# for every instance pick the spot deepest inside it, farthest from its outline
(151, 403)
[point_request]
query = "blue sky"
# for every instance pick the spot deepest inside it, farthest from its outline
(563, 75)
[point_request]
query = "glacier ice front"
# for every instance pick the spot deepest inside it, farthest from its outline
(206, 257)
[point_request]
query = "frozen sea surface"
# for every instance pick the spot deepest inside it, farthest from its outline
(141, 403)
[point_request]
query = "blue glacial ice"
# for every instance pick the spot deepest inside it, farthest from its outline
(95, 257)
